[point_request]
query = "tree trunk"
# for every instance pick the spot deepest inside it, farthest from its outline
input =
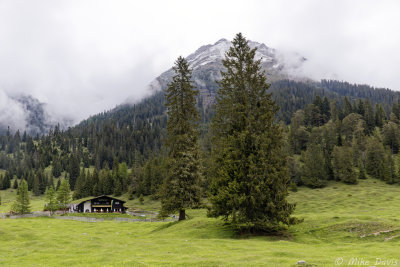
(182, 215)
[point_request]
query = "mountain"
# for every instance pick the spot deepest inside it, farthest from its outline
(36, 116)
(290, 91)
(206, 63)
(22, 112)
(26, 113)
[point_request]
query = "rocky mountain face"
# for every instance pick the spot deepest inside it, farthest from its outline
(26, 113)
(36, 117)
(206, 64)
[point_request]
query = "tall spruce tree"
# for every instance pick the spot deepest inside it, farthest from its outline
(389, 171)
(51, 200)
(361, 170)
(343, 166)
(35, 187)
(181, 187)
(79, 191)
(57, 168)
(250, 180)
(22, 203)
(64, 195)
(73, 169)
(314, 172)
(15, 184)
(375, 158)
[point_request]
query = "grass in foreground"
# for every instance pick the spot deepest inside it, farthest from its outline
(340, 222)
(106, 216)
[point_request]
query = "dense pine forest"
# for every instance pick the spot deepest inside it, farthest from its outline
(333, 131)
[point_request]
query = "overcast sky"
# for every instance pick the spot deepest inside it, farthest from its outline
(83, 57)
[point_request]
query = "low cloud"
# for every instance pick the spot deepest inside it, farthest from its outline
(12, 113)
(85, 57)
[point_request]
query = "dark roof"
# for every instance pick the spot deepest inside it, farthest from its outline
(91, 198)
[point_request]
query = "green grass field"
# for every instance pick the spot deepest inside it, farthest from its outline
(342, 224)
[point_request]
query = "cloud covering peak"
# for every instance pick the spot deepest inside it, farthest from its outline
(84, 57)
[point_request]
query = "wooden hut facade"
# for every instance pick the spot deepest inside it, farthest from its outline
(101, 204)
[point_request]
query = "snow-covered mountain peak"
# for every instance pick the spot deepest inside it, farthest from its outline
(216, 52)
(206, 63)
(222, 40)
(208, 54)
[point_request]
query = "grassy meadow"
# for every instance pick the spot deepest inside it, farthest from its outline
(343, 224)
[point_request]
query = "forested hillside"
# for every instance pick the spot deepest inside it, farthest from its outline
(324, 121)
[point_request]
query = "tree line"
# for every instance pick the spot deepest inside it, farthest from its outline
(329, 141)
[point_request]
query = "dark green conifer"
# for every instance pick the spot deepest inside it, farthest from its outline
(95, 182)
(117, 186)
(361, 170)
(123, 174)
(57, 168)
(51, 200)
(347, 109)
(389, 171)
(375, 157)
(80, 185)
(64, 195)
(36, 186)
(250, 180)
(43, 180)
(6, 182)
(108, 181)
(15, 185)
(117, 179)
(380, 115)
(369, 117)
(314, 172)
(73, 169)
(58, 183)
(88, 186)
(22, 203)
(181, 188)
(343, 168)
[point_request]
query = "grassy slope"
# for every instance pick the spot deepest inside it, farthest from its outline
(8, 197)
(335, 218)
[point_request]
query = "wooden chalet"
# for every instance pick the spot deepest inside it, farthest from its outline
(101, 204)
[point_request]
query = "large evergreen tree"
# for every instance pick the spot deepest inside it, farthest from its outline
(375, 158)
(79, 191)
(250, 182)
(343, 164)
(391, 136)
(181, 188)
(314, 171)
(64, 194)
(73, 169)
(51, 200)
(22, 203)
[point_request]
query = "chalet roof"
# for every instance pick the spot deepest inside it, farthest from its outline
(77, 201)
(82, 200)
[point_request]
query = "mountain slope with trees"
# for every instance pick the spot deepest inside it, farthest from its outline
(121, 151)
